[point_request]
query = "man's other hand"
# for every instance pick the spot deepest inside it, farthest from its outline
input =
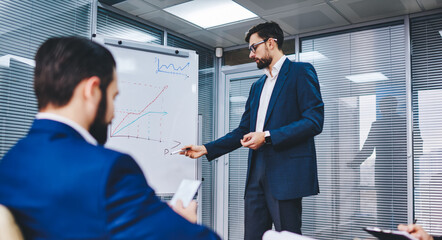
(253, 140)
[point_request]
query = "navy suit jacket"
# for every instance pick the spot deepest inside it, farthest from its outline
(294, 116)
(58, 186)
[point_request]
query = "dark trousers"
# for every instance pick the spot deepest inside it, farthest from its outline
(262, 209)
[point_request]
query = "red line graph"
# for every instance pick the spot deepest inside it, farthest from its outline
(140, 112)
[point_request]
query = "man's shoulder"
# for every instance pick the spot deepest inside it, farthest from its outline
(300, 64)
(62, 148)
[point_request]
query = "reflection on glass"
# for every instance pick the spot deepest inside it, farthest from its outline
(428, 167)
(386, 140)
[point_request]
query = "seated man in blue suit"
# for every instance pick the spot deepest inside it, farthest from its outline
(59, 183)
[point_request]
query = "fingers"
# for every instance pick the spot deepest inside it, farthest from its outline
(187, 147)
(193, 205)
(253, 140)
(194, 151)
(246, 143)
(402, 227)
(179, 204)
(248, 136)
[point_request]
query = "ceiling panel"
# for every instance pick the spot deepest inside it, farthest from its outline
(268, 7)
(307, 19)
(364, 10)
(169, 21)
(236, 32)
(135, 7)
(294, 16)
(165, 3)
(210, 39)
(431, 4)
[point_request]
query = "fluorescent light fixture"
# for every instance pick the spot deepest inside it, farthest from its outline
(311, 56)
(211, 13)
(5, 60)
(440, 33)
(367, 77)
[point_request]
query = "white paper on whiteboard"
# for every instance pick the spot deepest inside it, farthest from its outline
(186, 191)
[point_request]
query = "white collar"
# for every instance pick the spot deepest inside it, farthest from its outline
(55, 117)
(276, 68)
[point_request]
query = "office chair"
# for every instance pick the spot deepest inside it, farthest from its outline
(8, 228)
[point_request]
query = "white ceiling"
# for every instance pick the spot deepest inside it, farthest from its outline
(294, 16)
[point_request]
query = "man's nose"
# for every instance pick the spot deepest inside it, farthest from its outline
(251, 55)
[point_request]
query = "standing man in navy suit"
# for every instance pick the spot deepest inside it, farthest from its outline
(58, 183)
(283, 113)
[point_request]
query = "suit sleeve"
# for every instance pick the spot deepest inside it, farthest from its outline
(310, 105)
(231, 140)
(134, 212)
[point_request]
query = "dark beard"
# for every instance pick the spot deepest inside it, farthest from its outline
(98, 129)
(264, 62)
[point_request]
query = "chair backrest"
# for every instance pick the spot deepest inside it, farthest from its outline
(8, 228)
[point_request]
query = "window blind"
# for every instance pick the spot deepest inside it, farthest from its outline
(114, 25)
(362, 151)
(25, 26)
(427, 112)
(238, 94)
(206, 93)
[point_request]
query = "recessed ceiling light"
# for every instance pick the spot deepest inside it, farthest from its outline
(211, 13)
(367, 77)
(440, 33)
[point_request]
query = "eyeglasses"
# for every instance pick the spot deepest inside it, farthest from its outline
(252, 48)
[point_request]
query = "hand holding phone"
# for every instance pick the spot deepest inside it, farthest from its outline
(186, 192)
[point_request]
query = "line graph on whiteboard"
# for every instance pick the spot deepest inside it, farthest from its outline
(171, 68)
(148, 107)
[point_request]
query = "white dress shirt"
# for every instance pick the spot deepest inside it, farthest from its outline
(55, 117)
(266, 94)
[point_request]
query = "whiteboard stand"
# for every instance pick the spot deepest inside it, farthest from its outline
(200, 167)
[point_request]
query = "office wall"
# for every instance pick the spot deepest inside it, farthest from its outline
(362, 151)
(426, 57)
(25, 25)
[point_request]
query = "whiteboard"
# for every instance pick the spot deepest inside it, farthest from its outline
(156, 110)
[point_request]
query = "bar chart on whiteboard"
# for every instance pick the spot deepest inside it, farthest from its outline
(156, 113)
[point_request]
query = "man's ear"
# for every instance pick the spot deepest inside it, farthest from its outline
(92, 88)
(272, 44)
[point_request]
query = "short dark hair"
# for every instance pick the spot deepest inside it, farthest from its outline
(267, 30)
(61, 63)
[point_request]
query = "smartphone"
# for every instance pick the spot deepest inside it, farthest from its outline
(186, 192)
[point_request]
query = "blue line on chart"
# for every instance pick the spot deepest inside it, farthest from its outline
(174, 71)
(164, 113)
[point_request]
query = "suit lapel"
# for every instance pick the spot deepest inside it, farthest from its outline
(282, 77)
(255, 103)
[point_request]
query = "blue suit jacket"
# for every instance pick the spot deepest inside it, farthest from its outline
(294, 116)
(58, 186)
